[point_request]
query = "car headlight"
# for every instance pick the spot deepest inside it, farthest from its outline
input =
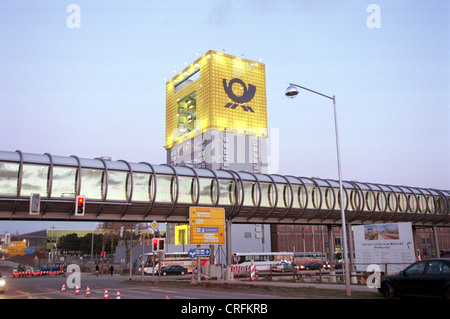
(2, 282)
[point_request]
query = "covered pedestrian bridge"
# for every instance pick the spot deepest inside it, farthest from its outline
(139, 192)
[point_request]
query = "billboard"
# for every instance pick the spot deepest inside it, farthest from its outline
(384, 244)
(216, 92)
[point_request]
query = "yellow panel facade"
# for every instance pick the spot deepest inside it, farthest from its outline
(217, 91)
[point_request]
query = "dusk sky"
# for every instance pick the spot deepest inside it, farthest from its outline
(98, 88)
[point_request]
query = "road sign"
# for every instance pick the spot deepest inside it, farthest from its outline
(154, 225)
(207, 225)
(199, 252)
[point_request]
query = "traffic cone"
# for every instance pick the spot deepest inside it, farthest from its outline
(106, 294)
(77, 290)
(63, 288)
(118, 294)
(88, 292)
(167, 297)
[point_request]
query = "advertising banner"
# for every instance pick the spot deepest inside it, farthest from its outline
(387, 245)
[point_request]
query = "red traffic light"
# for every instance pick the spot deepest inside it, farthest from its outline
(79, 205)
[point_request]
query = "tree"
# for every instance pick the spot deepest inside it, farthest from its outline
(69, 242)
(86, 243)
(73, 243)
(130, 239)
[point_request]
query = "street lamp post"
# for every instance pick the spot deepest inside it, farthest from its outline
(292, 92)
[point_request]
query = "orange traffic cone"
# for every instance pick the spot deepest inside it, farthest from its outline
(77, 290)
(106, 294)
(63, 288)
(118, 294)
(88, 292)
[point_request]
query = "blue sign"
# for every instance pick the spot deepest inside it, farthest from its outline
(199, 252)
(207, 229)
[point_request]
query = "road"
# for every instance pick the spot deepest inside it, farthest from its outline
(47, 287)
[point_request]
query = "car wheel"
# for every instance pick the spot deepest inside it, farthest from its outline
(387, 290)
(164, 273)
(182, 273)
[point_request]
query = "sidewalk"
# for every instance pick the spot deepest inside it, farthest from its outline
(305, 285)
(261, 283)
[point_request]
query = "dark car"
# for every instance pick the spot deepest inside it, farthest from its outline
(173, 270)
(311, 265)
(430, 277)
(53, 266)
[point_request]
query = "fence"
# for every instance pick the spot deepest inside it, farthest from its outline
(319, 275)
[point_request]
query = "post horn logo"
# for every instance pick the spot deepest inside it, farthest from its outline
(248, 95)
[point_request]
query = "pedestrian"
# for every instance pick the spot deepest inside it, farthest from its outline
(111, 269)
(61, 269)
(97, 269)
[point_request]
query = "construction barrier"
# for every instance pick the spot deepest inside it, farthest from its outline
(252, 271)
(35, 273)
(244, 271)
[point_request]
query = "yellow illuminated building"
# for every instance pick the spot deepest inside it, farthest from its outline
(216, 92)
(181, 234)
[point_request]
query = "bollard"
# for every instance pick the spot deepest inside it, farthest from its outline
(354, 279)
(333, 276)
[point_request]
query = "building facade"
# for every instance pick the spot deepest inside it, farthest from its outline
(216, 118)
(216, 114)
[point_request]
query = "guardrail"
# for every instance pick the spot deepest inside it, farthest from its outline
(325, 276)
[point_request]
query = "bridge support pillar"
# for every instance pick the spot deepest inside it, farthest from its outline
(350, 247)
(330, 245)
(435, 240)
(228, 241)
(228, 273)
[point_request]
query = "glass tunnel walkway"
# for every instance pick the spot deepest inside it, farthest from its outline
(139, 192)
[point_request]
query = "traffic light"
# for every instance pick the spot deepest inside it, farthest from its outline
(35, 201)
(161, 244)
(158, 244)
(80, 206)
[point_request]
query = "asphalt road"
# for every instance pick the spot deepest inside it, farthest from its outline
(47, 287)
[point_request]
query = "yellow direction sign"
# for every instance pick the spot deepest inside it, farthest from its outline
(207, 225)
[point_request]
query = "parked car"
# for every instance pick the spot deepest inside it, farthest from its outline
(2, 284)
(430, 277)
(53, 266)
(173, 270)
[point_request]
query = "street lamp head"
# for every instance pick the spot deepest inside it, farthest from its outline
(291, 91)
